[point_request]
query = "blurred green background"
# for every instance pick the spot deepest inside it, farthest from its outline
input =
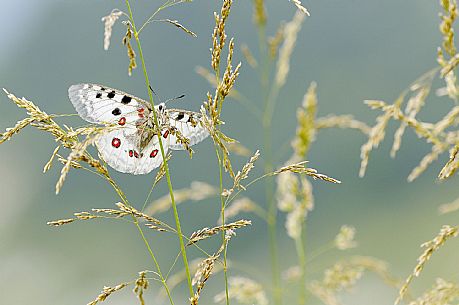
(354, 50)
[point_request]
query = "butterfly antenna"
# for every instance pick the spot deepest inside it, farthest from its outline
(175, 98)
(156, 95)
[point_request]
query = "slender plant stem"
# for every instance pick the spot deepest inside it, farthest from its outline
(166, 167)
(222, 201)
(299, 244)
(267, 125)
(136, 222)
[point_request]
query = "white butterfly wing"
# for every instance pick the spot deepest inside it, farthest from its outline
(100, 104)
(120, 152)
(189, 125)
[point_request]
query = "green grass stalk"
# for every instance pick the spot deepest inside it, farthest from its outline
(169, 183)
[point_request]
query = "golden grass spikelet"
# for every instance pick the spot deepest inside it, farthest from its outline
(219, 35)
(238, 206)
(452, 165)
(292, 274)
(131, 210)
(301, 7)
(180, 26)
(449, 119)
(449, 207)
(141, 284)
(76, 154)
(305, 131)
(206, 232)
(446, 26)
(197, 191)
(285, 52)
(162, 170)
(442, 293)
(50, 162)
(249, 56)
(327, 296)
(230, 75)
(259, 12)
(60, 222)
(206, 267)
(342, 121)
(109, 21)
(420, 90)
(345, 238)
(299, 168)
(425, 162)
(431, 246)
(275, 41)
(244, 173)
(244, 291)
(130, 51)
(219, 138)
(377, 132)
(239, 149)
(106, 292)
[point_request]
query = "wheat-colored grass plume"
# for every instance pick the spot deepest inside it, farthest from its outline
(305, 131)
(442, 293)
(290, 33)
(244, 291)
(141, 284)
(196, 192)
(300, 7)
(106, 292)
(130, 51)
(430, 247)
(345, 239)
(205, 233)
(109, 22)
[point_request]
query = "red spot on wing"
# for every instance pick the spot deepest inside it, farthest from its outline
(140, 112)
(131, 153)
(136, 154)
(153, 153)
(166, 134)
(122, 121)
(116, 142)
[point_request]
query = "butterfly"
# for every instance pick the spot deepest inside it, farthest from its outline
(133, 146)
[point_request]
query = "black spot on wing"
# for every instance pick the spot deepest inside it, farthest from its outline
(98, 95)
(126, 99)
(111, 94)
(116, 111)
(180, 116)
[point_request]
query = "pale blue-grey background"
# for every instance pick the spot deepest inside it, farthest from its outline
(354, 50)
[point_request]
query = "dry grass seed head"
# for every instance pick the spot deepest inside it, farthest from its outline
(249, 56)
(109, 21)
(442, 293)
(275, 41)
(130, 51)
(240, 205)
(244, 291)
(180, 26)
(290, 34)
(345, 238)
(106, 292)
(197, 191)
(219, 35)
(449, 207)
(259, 12)
(342, 121)
(431, 246)
(305, 131)
(205, 233)
(300, 7)
(141, 284)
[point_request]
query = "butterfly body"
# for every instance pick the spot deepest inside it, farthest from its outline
(132, 146)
